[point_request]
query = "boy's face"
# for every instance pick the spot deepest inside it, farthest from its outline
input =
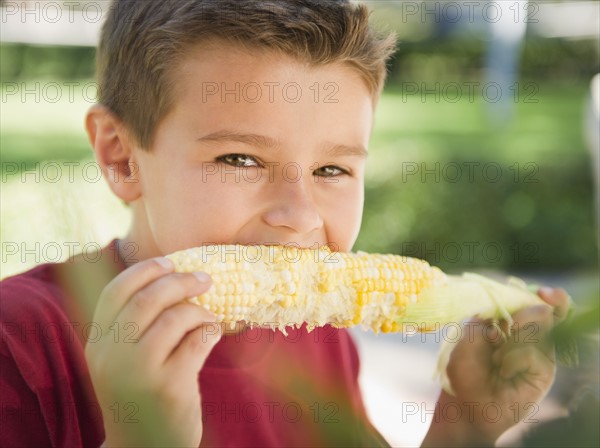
(212, 176)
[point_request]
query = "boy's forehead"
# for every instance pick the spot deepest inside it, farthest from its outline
(266, 89)
(218, 65)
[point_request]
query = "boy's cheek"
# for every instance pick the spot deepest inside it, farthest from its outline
(185, 220)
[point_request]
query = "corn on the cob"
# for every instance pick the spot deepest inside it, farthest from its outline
(281, 286)
(286, 285)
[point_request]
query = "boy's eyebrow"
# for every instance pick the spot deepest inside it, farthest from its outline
(226, 135)
(262, 141)
(347, 150)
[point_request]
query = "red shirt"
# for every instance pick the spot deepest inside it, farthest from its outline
(258, 387)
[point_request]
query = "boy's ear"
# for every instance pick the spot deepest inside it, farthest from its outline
(113, 148)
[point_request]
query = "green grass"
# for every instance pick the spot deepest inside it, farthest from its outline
(549, 127)
(35, 127)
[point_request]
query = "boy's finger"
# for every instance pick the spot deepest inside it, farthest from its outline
(557, 298)
(540, 315)
(527, 362)
(531, 327)
(169, 329)
(195, 347)
(149, 302)
(478, 336)
(470, 360)
(123, 286)
(476, 343)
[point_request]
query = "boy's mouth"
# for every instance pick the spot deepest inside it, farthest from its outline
(297, 244)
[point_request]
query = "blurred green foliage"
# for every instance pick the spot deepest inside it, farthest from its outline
(22, 62)
(461, 58)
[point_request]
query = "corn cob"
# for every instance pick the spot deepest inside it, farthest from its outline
(282, 286)
(287, 286)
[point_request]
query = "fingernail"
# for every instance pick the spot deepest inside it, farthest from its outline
(545, 290)
(164, 262)
(202, 277)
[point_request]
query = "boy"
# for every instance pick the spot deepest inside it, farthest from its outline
(226, 122)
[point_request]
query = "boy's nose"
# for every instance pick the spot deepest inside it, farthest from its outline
(294, 208)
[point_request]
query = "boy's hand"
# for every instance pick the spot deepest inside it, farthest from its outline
(498, 382)
(147, 383)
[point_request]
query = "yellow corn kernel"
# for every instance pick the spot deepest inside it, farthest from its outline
(290, 285)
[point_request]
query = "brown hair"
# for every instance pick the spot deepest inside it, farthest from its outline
(142, 41)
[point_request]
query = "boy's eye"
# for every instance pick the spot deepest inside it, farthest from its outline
(239, 160)
(330, 171)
